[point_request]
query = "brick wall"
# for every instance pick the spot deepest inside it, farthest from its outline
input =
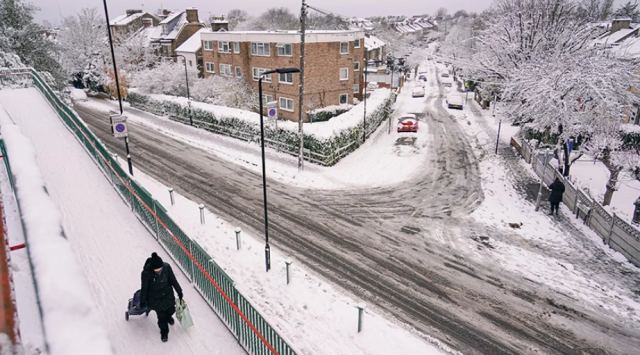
(323, 86)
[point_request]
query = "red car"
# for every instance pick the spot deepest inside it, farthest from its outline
(408, 123)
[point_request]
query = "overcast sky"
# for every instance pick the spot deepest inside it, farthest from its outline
(53, 10)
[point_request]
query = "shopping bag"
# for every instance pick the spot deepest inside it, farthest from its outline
(183, 315)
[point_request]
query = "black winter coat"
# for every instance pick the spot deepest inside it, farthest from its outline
(157, 289)
(557, 189)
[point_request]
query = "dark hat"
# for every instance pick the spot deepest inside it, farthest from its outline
(156, 261)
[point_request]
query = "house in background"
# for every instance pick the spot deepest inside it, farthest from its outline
(130, 22)
(174, 30)
(375, 48)
(333, 63)
(191, 49)
(621, 30)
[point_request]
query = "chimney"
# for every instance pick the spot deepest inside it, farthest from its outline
(192, 15)
(132, 11)
(219, 24)
(147, 22)
(619, 24)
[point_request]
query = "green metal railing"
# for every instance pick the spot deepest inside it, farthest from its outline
(253, 332)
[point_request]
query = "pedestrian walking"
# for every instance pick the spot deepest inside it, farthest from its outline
(158, 283)
(557, 189)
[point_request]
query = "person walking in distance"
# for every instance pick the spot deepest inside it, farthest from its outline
(158, 283)
(557, 189)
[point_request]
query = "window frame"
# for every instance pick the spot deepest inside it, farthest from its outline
(227, 66)
(263, 45)
(286, 75)
(358, 43)
(286, 100)
(238, 72)
(340, 74)
(346, 101)
(267, 79)
(344, 43)
(283, 46)
(206, 67)
(204, 46)
(354, 66)
(236, 47)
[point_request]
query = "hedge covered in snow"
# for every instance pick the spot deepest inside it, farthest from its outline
(325, 143)
(327, 113)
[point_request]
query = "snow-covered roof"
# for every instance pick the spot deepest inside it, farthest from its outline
(126, 19)
(373, 42)
(192, 44)
(171, 26)
(629, 48)
(313, 36)
(172, 17)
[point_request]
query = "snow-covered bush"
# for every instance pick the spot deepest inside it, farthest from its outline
(326, 113)
(166, 77)
(326, 148)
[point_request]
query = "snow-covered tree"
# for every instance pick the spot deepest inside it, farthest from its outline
(235, 17)
(554, 80)
(630, 10)
(135, 53)
(83, 48)
(596, 10)
(166, 77)
(273, 19)
(19, 34)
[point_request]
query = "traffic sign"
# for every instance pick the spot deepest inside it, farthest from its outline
(119, 126)
(272, 110)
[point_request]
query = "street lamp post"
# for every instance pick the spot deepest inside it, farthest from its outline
(267, 249)
(186, 78)
(115, 75)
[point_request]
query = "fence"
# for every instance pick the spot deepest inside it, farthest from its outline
(614, 231)
(251, 330)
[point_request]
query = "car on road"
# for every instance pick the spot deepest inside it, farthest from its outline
(444, 75)
(408, 123)
(422, 76)
(417, 91)
(455, 101)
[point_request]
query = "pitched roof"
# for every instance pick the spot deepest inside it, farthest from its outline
(192, 44)
(373, 42)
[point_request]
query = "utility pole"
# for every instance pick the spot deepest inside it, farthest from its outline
(303, 17)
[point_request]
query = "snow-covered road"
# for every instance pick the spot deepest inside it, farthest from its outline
(454, 273)
(110, 244)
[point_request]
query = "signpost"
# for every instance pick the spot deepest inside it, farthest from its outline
(119, 130)
(272, 112)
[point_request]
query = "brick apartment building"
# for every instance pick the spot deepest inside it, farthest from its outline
(333, 62)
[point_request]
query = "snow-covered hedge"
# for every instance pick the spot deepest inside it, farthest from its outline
(324, 142)
(68, 309)
(326, 113)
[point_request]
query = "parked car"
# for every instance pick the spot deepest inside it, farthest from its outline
(417, 91)
(444, 75)
(422, 76)
(455, 101)
(408, 123)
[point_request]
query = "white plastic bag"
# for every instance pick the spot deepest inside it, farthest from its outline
(183, 315)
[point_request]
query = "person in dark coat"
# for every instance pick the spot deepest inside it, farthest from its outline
(158, 283)
(557, 189)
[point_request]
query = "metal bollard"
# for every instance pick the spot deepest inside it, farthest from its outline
(201, 207)
(238, 242)
(173, 202)
(288, 263)
(360, 315)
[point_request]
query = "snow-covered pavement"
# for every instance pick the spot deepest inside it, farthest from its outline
(109, 242)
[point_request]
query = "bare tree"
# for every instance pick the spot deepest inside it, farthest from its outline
(630, 10)
(596, 10)
(236, 16)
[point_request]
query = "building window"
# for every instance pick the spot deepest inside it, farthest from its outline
(210, 67)
(238, 72)
(267, 98)
(356, 88)
(223, 47)
(258, 71)
(208, 45)
(260, 49)
(284, 49)
(344, 47)
(236, 47)
(356, 66)
(344, 73)
(286, 78)
(190, 63)
(166, 49)
(356, 43)
(344, 99)
(226, 70)
(285, 104)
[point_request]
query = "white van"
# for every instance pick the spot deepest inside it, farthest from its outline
(455, 101)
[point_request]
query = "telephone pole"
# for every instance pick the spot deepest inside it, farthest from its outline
(303, 17)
